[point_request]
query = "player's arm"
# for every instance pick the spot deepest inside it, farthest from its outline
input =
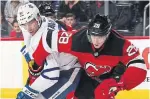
(134, 74)
(135, 65)
(33, 68)
(49, 75)
(40, 77)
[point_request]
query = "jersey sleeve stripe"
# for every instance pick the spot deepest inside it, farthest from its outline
(136, 61)
(138, 65)
(49, 38)
(23, 48)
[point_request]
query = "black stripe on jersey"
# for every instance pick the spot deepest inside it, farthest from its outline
(49, 38)
(80, 42)
(136, 61)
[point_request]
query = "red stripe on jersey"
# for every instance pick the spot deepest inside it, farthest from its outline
(40, 54)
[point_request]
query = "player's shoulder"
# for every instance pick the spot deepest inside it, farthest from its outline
(114, 44)
(80, 42)
(50, 33)
(117, 39)
(49, 23)
(79, 35)
(120, 43)
(120, 39)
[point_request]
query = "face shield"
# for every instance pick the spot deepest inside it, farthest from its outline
(94, 35)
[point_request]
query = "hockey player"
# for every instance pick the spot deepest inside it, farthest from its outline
(47, 10)
(109, 60)
(52, 75)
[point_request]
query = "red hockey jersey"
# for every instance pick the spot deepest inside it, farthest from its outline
(96, 63)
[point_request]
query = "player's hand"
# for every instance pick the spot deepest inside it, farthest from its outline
(27, 93)
(34, 68)
(108, 89)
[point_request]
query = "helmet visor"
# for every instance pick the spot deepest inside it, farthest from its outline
(98, 32)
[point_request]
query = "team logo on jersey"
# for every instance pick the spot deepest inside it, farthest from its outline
(94, 70)
(131, 50)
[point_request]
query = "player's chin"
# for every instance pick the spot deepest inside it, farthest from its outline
(32, 33)
(97, 46)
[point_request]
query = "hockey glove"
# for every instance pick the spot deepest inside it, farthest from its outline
(108, 89)
(34, 69)
(27, 93)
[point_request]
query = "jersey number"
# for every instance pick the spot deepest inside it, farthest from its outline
(64, 38)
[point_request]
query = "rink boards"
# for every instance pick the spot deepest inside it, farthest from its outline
(13, 70)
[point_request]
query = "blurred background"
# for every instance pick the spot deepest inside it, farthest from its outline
(130, 18)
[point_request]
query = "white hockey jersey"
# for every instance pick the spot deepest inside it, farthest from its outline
(60, 71)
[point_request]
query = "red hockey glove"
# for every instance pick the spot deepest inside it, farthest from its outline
(108, 89)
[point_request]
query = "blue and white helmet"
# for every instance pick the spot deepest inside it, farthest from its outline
(27, 12)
